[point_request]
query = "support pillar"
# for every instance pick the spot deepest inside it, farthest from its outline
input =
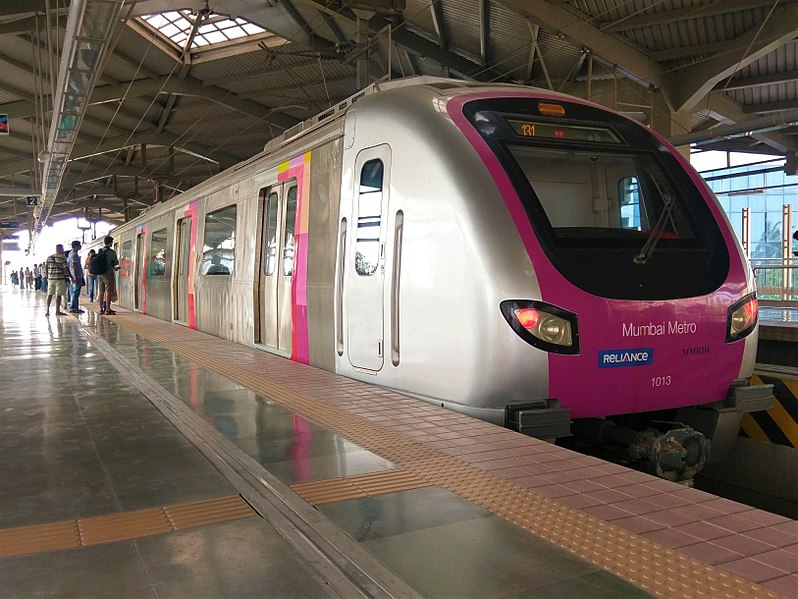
(362, 41)
(669, 124)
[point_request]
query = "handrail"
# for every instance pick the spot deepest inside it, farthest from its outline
(776, 279)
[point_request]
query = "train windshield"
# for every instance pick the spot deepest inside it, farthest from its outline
(612, 207)
(629, 196)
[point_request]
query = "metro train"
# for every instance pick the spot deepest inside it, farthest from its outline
(516, 254)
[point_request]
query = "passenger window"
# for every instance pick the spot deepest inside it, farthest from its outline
(126, 259)
(369, 213)
(288, 241)
(219, 242)
(157, 266)
(629, 194)
(271, 234)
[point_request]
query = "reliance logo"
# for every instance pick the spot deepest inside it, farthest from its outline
(618, 358)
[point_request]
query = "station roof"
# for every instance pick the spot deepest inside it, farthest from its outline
(114, 105)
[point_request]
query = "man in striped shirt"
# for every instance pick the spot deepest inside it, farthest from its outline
(57, 273)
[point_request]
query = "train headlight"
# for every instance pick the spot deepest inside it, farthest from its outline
(742, 318)
(542, 325)
(555, 330)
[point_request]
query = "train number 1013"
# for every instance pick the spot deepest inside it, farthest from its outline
(661, 381)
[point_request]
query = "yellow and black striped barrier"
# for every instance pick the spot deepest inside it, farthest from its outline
(779, 424)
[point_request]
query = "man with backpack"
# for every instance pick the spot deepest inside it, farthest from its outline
(104, 265)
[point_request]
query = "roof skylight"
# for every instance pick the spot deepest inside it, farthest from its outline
(177, 25)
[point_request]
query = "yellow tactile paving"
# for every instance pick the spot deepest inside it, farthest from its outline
(656, 568)
(96, 530)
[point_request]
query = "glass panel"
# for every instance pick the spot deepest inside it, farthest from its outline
(369, 213)
(572, 187)
(157, 267)
(126, 259)
(371, 177)
(759, 247)
(219, 242)
(271, 234)
(288, 239)
(629, 194)
(176, 26)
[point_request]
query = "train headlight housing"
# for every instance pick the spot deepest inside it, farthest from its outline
(742, 318)
(542, 325)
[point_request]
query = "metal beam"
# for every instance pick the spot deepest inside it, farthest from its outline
(664, 17)
(17, 191)
(23, 7)
(761, 128)
(411, 62)
(688, 51)
(758, 81)
(616, 50)
(136, 64)
(28, 25)
(167, 111)
(437, 22)
(482, 8)
(17, 92)
(693, 83)
(768, 107)
(313, 62)
(192, 87)
(167, 85)
(462, 66)
(334, 28)
(297, 18)
(725, 107)
(114, 144)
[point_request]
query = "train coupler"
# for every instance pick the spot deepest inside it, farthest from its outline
(542, 419)
(679, 454)
(676, 455)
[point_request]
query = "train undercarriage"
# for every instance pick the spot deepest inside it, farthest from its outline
(673, 444)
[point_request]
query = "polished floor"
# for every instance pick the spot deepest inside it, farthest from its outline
(80, 437)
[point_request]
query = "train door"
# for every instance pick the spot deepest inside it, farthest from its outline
(274, 323)
(181, 271)
(138, 266)
(365, 268)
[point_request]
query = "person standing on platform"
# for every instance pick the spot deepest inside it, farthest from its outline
(106, 288)
(28, 278)
(21, 278)
(14, 278)
(76, 276)
(57, 270)
(91, 279)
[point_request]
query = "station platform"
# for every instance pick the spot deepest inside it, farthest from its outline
(143, 459)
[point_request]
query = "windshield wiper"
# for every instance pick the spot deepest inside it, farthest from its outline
(659, 228)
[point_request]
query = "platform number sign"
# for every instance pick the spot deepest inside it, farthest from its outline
(33, 201)
(3, 124)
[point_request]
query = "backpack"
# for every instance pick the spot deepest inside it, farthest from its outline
(98, 265)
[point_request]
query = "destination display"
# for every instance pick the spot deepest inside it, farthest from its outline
(563, 132)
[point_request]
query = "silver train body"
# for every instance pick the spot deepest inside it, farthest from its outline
(388, 240)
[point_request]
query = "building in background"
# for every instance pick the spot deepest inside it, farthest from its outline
(759, 192)
(761, 201)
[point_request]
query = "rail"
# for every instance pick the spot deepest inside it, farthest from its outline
(776, 279)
